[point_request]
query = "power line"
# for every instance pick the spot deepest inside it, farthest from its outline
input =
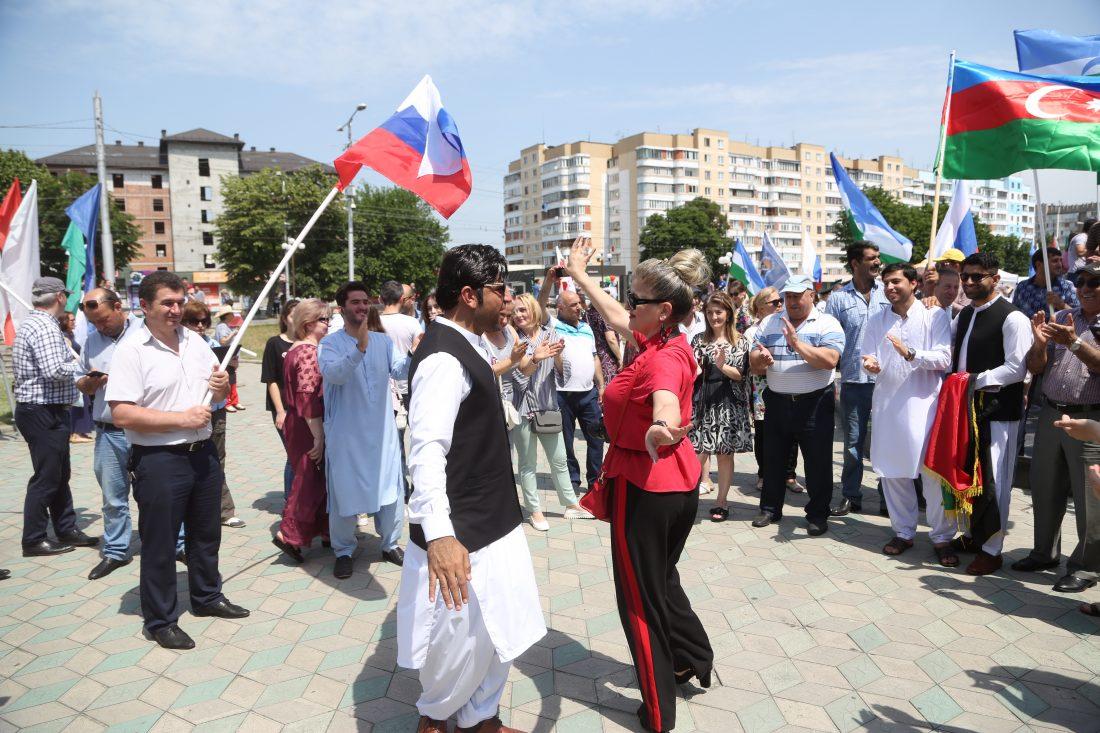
(50, 125)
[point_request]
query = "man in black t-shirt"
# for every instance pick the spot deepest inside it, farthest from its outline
(271, 374)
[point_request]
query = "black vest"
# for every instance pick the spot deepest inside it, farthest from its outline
(985, 351)
(481, 486)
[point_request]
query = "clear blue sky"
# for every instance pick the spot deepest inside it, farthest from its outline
(862, 78)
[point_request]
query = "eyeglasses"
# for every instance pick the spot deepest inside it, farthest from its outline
(777, 302)
(1093, 283)
(323, 320)
(92, 304)
(201, 322)
(497, 288)
(633, 301)
(974, 277)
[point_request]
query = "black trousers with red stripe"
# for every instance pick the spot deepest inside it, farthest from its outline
(648, 532)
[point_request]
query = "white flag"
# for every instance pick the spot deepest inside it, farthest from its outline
(20, 264)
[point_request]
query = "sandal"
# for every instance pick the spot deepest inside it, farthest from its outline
(294, 552)
(897, 546)
(719, 514)
(947, 557)
(1090, 609)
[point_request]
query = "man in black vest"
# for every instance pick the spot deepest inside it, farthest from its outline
(991, 340)
(468, 603)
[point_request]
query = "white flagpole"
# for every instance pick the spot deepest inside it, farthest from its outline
(8, 289)
(1043, 244)
(270, 283)
(939, 157)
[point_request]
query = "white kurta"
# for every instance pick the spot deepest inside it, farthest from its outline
(503, 577)
(904, 402)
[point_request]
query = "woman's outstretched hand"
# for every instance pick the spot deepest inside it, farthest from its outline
(659, 435)
(579, 255)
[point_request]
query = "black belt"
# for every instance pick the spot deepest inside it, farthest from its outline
(1072, 409)
(109, 427)
(177, 448)
(806, 396)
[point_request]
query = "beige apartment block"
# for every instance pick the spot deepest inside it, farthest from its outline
(787, 192)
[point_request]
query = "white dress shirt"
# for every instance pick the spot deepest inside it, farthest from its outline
(503, 578)
(1016, 332)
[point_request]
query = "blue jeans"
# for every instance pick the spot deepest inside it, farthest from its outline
(855, 415)
(111, 462)
(585, 407)
(388, 523)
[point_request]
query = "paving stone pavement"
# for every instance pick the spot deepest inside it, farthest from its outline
(818, 634)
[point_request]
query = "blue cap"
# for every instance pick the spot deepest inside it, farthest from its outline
(797, 284)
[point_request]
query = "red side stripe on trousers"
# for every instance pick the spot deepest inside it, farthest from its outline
(647, 681)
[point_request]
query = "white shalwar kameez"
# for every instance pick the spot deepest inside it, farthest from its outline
(1016, 337)
(903, 408)
(463, 656)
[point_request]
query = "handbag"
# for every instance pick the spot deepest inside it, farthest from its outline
(598, 499)
(546, 422)
(511, 414)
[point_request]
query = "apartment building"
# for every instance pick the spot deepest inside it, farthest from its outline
(174, 191)
(1062, 221)
(788, 192)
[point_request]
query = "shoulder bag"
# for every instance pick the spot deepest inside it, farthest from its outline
(598, 499)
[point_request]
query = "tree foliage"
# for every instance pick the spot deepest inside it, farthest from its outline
(396, 235)
(699, 223)
(55, 193)
(915, 222)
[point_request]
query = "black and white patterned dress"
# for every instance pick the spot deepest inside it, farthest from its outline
(720, 405)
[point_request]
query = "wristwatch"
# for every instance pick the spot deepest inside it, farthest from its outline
(1077, 344)
(911, 355)
(662, 423)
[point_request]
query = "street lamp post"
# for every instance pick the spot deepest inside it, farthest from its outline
(348, 197)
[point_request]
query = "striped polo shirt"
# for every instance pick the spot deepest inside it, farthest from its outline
(790, 374)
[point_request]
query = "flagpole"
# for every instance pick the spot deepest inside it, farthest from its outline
(1043, 238)
(8, 289)
(270, 283)
(945, 120)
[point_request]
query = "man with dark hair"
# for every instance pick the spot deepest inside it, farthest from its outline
(362, 453)
(991, 340)
(1075, 252)
(1031, 295)
(392, 293)
(45, 388)
(908, 347)
(468, 602)
(157, 393)
(852, 305)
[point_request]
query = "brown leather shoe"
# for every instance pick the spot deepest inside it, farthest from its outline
(492, 725)
(984, 564)
(427, 725)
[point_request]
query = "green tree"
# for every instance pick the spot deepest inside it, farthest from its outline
(915, 222)
(396, 235)
(698, 224)
(55, 193)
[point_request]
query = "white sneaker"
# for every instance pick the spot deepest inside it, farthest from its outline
(540, 524)
(234, 522)
(578, 514)
(363, 520)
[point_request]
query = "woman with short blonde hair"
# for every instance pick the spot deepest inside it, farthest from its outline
(306, 313)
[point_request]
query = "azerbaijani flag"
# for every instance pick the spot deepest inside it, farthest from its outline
(867, 221)
(418, 148)
(1003, 122)
(741, 268)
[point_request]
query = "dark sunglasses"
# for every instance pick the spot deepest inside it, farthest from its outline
(498, 288)
(92, 304)
(323, 320)
(1091, 283)
(201, 322)
(974, 277)
(633, 301)
(777, 302)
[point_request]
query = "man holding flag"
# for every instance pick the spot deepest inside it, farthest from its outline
(1034, 294)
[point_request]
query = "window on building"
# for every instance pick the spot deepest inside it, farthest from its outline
(208, 262)
(706, 142)
(117, 180)
(162, 250)
(721, 144)
(121, 204)
(206, 193)
(158, 227)
(162, 269)
(157, 182)
(158, 204)
(208, 239)
(706, 191)
(204, 166)
(206, 218)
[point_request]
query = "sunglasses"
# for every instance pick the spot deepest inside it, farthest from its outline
(323, 320)
(498, 288)
(974, 277)
(92, 304)
(633, 301)
(777, 302)
(202, 322)
(1091, 283)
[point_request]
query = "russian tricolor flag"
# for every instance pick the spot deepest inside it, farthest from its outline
(418, 148)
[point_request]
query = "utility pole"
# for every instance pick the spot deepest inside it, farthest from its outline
(108, 255)
(286, 235)
(348, 199)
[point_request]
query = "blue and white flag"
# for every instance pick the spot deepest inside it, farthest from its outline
(868, 223)
(1031, 262)
(957, 229)
(772, 267)
(1048, 53)
(84, 213)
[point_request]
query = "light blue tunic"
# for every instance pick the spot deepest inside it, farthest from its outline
(362, 453)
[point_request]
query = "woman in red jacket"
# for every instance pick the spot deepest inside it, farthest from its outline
(653, 474)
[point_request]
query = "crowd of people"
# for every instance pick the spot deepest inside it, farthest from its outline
(401, 411)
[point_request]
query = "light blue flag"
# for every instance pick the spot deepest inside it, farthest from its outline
(84, 212)
(772, 267)
(1048, 53)
(817, 269)
(869, 223)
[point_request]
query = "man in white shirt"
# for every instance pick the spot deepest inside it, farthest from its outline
(157, 393)
(468, 602)
(401, 328)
